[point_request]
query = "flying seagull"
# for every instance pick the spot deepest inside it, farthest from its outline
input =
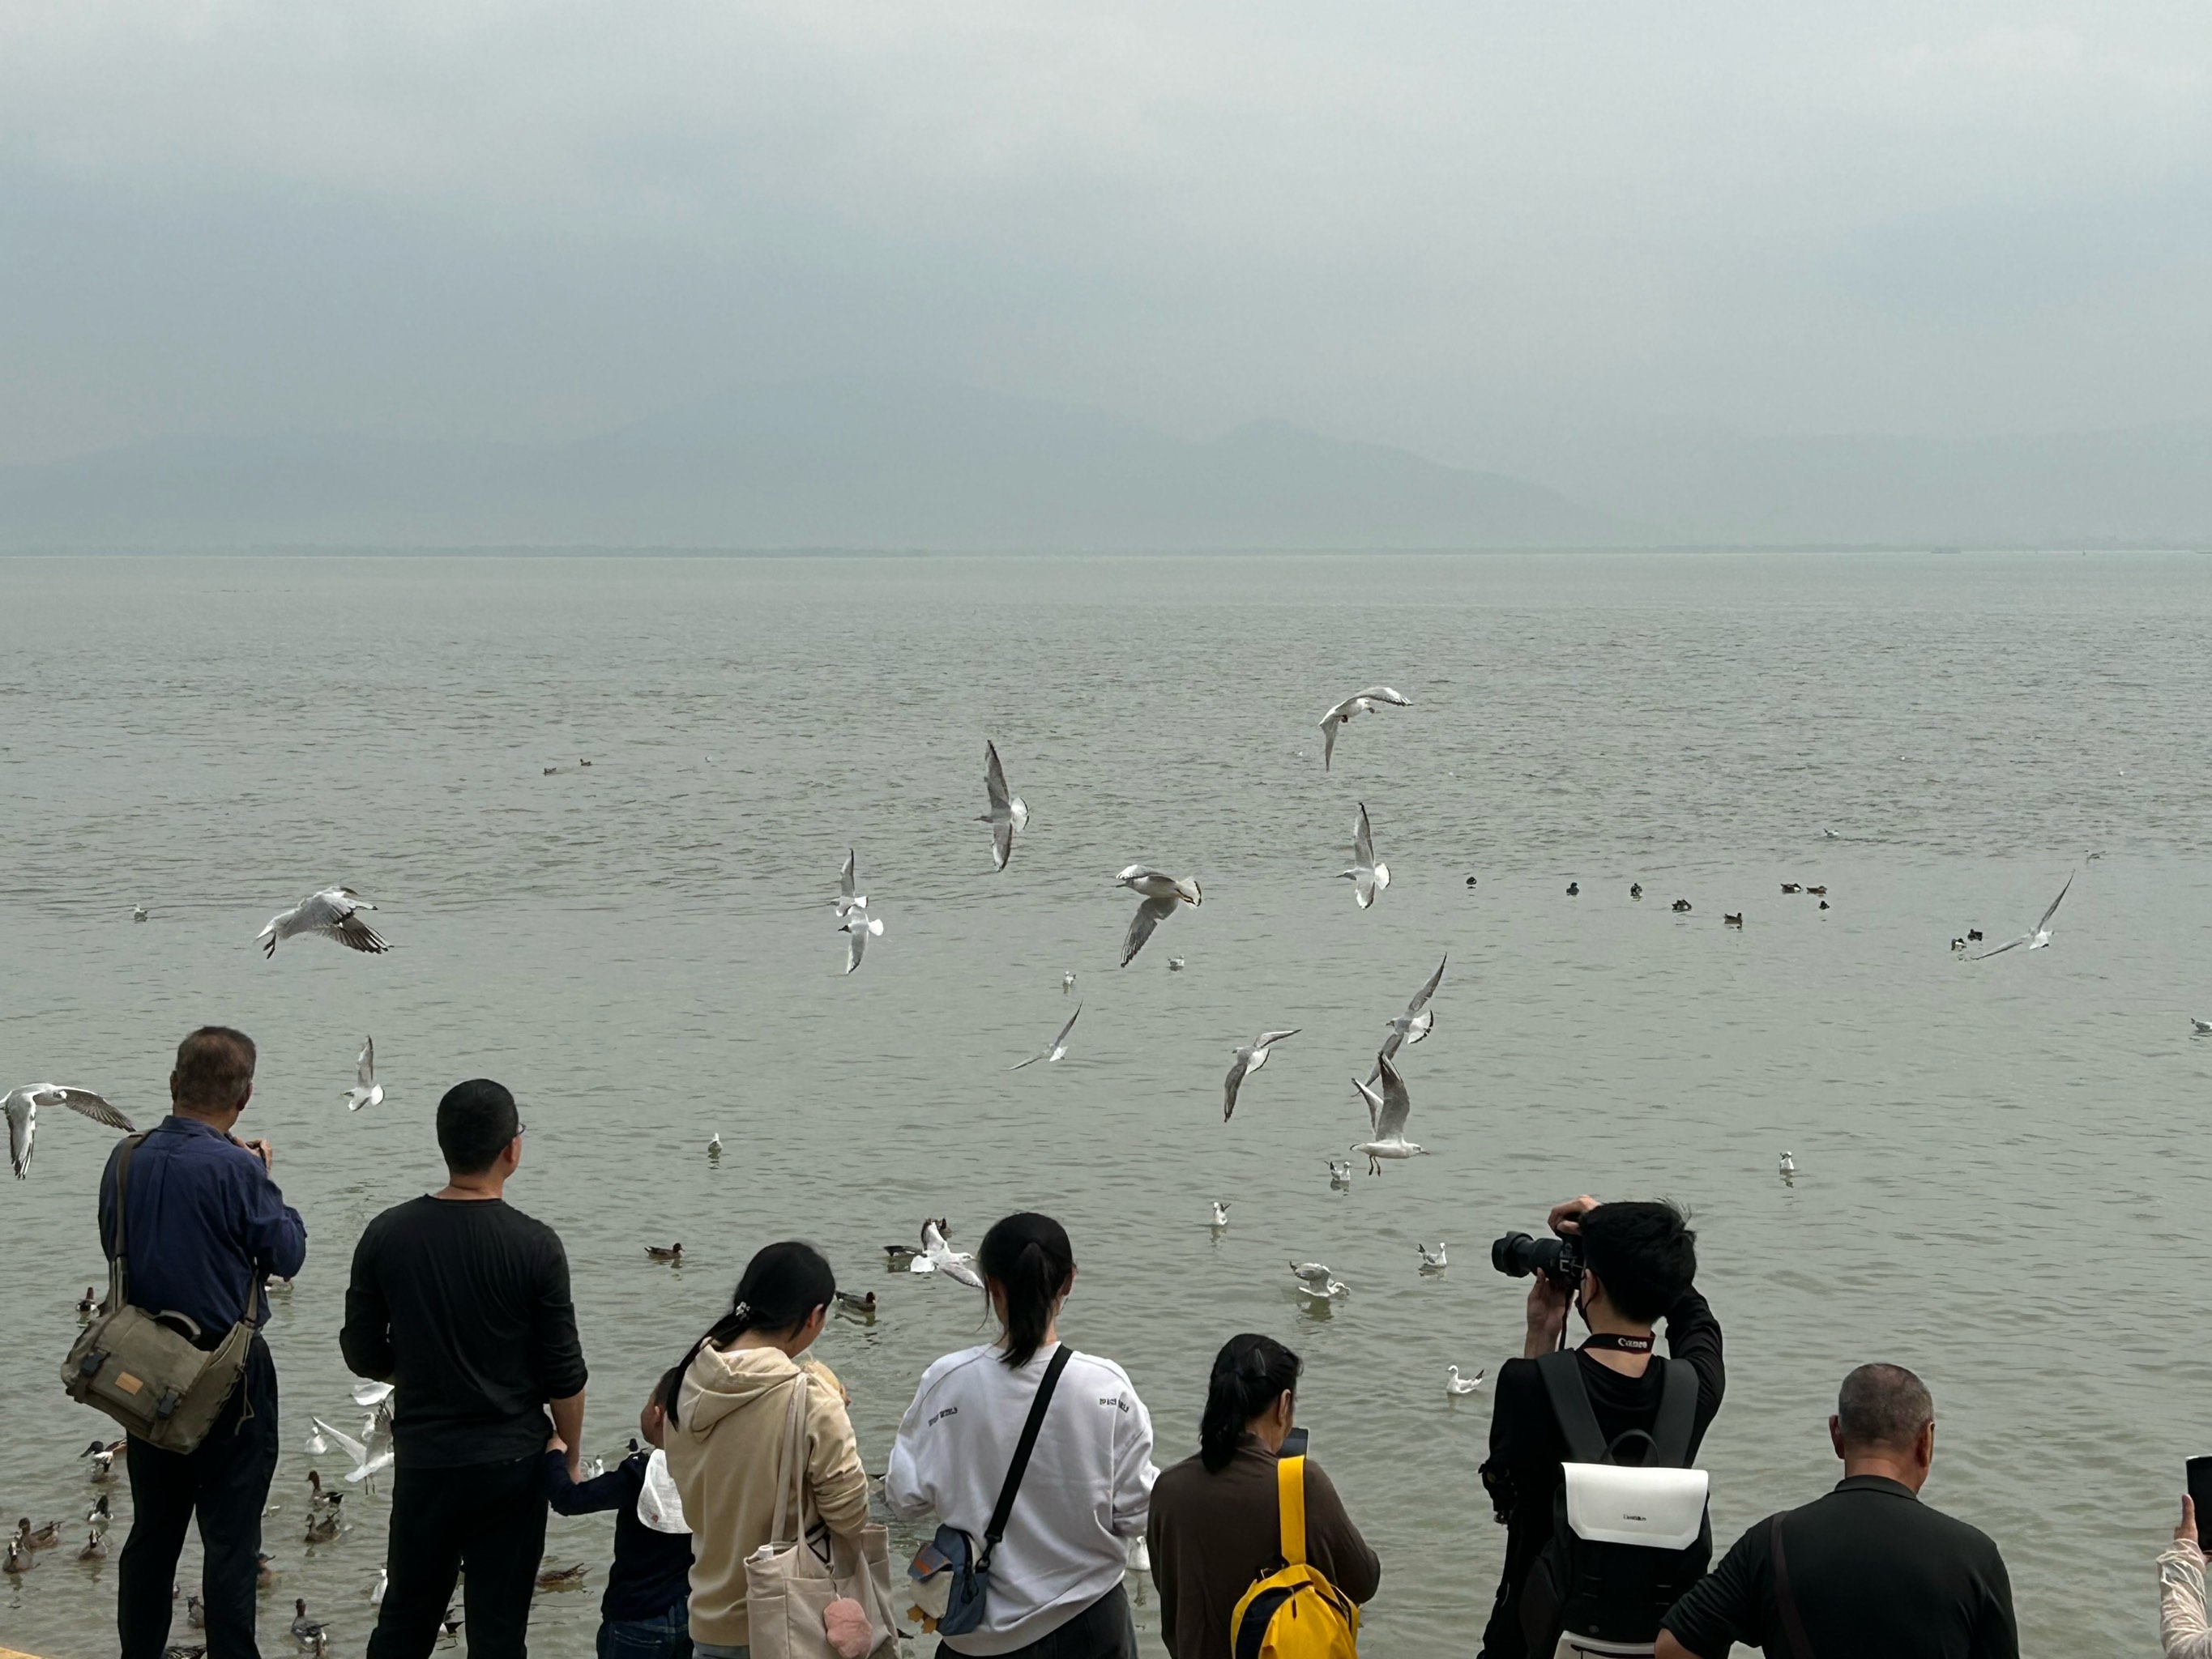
(2036, 940)
(1008, 812)
(1369, 875)
(367, 1091)
(1058, 1044)
(1362, 703)
(1161, 893)
(853, 918)
(937, 1256)
(334, 914)
(1416, 1022)
(1387, 1112)
(1249, 1059)
(367, 1463)
(21, 1106)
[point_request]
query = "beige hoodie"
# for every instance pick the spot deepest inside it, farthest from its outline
(723, 1450)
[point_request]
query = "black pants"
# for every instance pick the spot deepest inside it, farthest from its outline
(489, 1518)
(227, 1482)
(1104, 1630)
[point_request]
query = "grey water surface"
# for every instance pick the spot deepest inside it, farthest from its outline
(2001, 1179)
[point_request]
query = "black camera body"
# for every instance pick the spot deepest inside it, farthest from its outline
(1517, 1255)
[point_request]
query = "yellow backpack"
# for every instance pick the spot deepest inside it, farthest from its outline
(1295, 1614)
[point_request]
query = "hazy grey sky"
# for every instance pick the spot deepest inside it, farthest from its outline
(1423, 222)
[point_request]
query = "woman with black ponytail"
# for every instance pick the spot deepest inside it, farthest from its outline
(1217, 1518)
(1055, 1581)
(728, 1406)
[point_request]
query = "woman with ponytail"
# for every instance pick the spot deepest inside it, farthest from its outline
(728, 1406)
(1216, 1517)
(1056, 1577)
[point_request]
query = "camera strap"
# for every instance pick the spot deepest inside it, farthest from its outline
(1619, 1341)
(1793, 1622)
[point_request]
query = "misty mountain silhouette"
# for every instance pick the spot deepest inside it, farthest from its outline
(825, 463)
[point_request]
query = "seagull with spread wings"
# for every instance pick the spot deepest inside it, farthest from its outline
(1387, 1111)
(1360, 702)
(1250, 1057)
(1369, 875)
(1051, 1055)
(366, 1090)
(2036, 940)
(21, 1106)
(854, 920)
(1418, 1019)
(1008, 813)
(333, 914)
(1161, 894)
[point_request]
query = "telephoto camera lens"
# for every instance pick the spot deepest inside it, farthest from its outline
(1517, 1255)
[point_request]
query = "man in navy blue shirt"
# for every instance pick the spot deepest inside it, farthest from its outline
(203, 1219)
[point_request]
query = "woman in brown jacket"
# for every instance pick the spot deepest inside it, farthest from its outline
(1216, 1523)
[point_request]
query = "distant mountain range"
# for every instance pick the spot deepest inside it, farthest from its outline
(821, 463)
(923, 465)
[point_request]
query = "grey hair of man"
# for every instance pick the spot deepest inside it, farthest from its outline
(1884, 1406)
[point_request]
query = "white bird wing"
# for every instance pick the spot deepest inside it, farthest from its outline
(1150, 915)
(335, 914)
(1002, 842)
(89, 1103)
(2055, 903)
(371, 1393)
(1998, 951)
(1421, 997)
(1329, 722)
(961, 1273)
(856, 940)
(994, 781)
(1233, 1082)
(1314, 1273)
(1384, 694)
(344, 1442)
(932, 1240)
(1374, 1101)
(1390, 1122)
(364, 1071)
(1365, 883)
(22, 1128)
(1363, 841)
(1267, 1039)
(845, 876)
(1059, 1043)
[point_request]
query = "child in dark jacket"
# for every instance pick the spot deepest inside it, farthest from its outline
(645, 1613)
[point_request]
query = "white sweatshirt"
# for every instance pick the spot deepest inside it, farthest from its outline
(1088, 1488)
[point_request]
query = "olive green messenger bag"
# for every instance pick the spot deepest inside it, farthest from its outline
(141, 1369)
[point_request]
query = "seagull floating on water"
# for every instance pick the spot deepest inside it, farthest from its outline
(333, 914)
(1788, 1165)
(2204, 1027)
(138, 913)
(1339, 1171)
(1369, 875)
(715, 1144)
(1455, 1383)
(21, 1108)
(1067, 981)
(1360, 702)
(1250, 1057)
(1435, 1258)
(367, 1091)
(1220, 1215)
(1161, 893)
(1174, 964)
(2036, 940)
(1387, 1111)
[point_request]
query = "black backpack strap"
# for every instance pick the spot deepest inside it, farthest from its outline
(1570, 1405)
(1793, 1623)
(1678, 1414)
(1005, 1507)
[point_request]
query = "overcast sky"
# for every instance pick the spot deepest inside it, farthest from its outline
(1426, 223)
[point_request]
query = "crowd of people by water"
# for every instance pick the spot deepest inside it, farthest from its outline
(1040, 1458)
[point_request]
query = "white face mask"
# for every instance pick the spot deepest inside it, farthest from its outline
(659, 1505)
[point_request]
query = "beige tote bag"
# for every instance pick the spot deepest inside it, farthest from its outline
(791, 1580)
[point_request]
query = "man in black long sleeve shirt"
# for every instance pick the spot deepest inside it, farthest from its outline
(1640, 1264)
(463, 1304)
(1870, 1569)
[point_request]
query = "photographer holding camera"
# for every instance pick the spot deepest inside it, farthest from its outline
(1624, 1266)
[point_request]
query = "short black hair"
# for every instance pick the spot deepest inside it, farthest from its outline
(1883, 1406)
(214, 1068)
(475, 1120)
(1642, 1252)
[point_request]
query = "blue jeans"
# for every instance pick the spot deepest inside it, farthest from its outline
(667, 1637)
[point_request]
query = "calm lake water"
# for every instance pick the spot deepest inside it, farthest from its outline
(2002, 1174)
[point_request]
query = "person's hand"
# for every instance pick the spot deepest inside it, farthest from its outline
(1547, 1315)
(2186, 1532)
(262, 1149)
(1565, 1219)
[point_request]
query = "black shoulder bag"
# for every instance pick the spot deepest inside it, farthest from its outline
(952, 1551)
